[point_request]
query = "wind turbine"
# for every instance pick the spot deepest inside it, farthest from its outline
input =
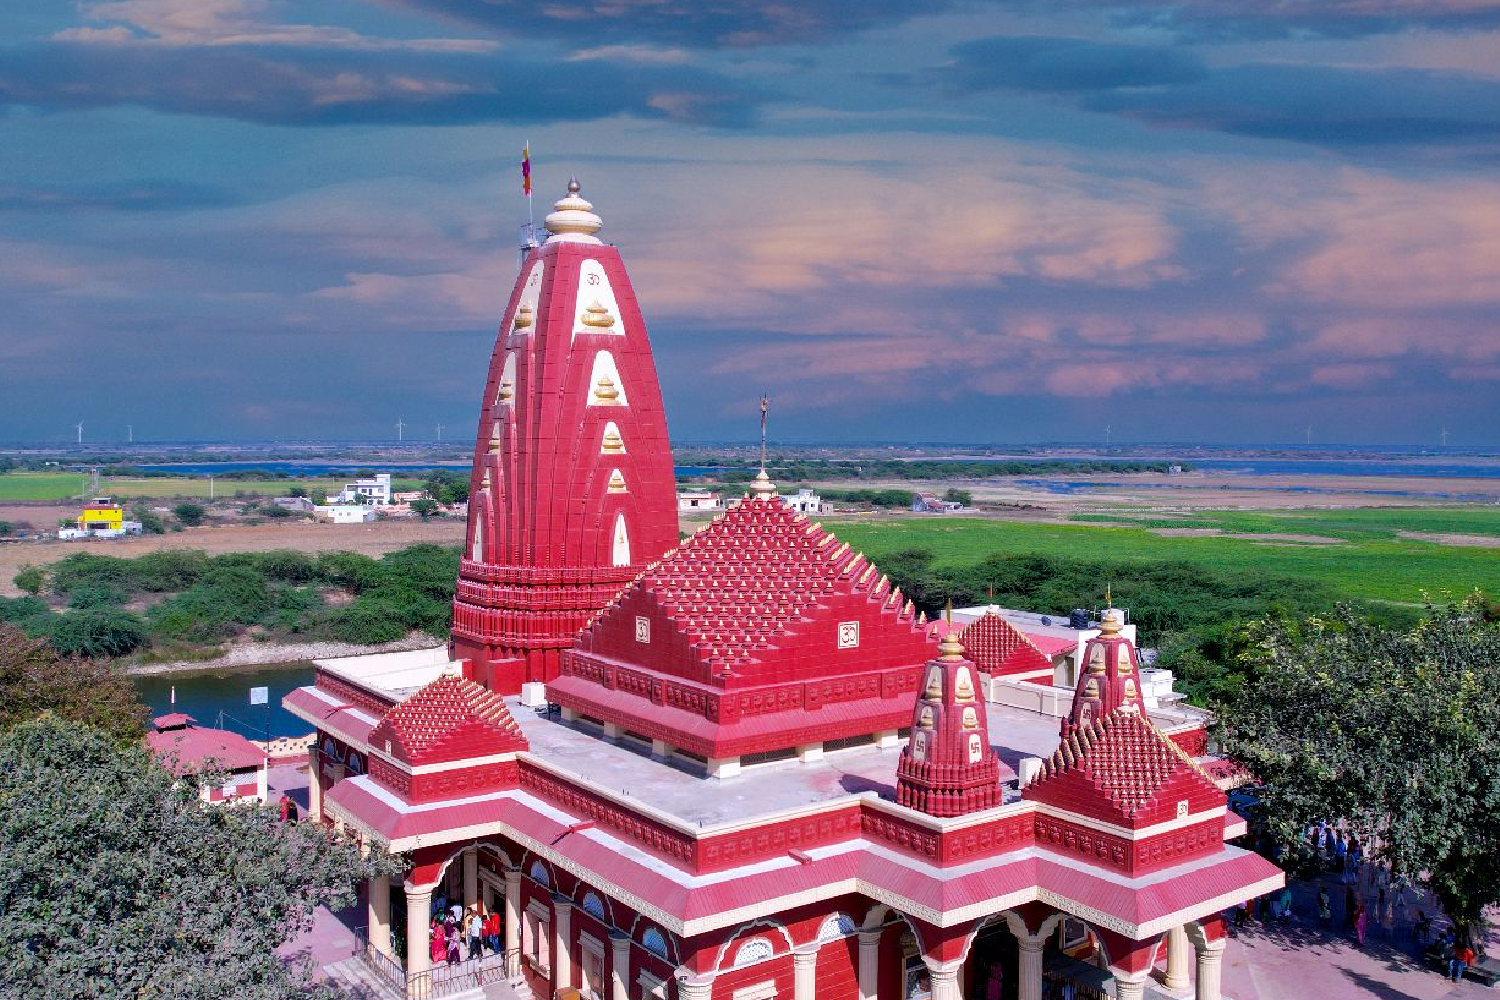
(400, 429)
(440, 433)
(1309, 433)
(1445, 437)
(80, 431)
(130, 433)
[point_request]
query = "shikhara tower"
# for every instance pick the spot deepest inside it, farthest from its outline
(572, 492)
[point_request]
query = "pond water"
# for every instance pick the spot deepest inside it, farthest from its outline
(204, 694)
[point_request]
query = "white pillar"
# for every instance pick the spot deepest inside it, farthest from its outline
(695, 989)
(944, 980)
(869, 964)
(418, 940)
(562, 936)
(314, 785)
(1210, 970)
(471, 878)
(809, 752)
(1133, 988)
(1177, 978)
(619, 966)
(805, 974)
(1029, 970)
(512, 923)
(379, 906)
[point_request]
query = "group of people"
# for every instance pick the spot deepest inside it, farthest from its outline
(456, 930)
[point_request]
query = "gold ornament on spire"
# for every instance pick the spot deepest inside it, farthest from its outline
(951, 649)
(605, 391)
(612, 444)
(573, 219)
(525, 316)
(595, 315)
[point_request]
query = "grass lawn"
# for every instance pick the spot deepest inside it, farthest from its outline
(1372, 563)
(63, 485)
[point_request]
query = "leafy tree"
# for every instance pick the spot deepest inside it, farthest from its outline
(1393, 730)
(446, 486)
(425, 506)
(6, 528)
(31, 579)
(318, 496)
(36, 680)
(151, 522)
(296, 491)
(190, 514)
(117, 882)
(964, 497)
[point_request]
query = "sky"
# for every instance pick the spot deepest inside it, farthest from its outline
(991, 222)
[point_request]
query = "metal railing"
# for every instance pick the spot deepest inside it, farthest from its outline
(442, 980)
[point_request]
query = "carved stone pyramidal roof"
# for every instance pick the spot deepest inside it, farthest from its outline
(761, 624)
(452, 718)
(1121, 769)
(997, 647)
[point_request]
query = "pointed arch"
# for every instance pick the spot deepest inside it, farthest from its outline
(620, 551)
(604, 368)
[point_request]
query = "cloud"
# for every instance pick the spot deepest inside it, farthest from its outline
(133, 196)
(331, 87)
(688, 23)
(197, 23)
(1235, 20)
(1043, 64)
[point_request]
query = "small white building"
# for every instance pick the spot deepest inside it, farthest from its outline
(376, 490)
(927, 503)
(805, 501)
(689, 501)
(345, 513)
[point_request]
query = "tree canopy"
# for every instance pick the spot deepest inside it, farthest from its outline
(36, 680)
(1393, 731)
(116, 881)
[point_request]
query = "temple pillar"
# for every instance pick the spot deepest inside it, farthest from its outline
(1129, 987)
(695, 989)
(562, 938)
(512, 922)
(314, 785)
(418, 940)
(1029, 969)
(1178, 958)
(619, 966)
(805, 974)
(1210, 970)
(379, 915)
(945, 984)
(471, 877)
(869, 963)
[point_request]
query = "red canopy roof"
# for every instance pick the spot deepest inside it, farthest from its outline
(998, 647)
(189, 750)
(452, 718)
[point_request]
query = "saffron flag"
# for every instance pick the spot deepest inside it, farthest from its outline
(526, 170)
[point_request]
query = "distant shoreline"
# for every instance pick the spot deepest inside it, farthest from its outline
(250, 655)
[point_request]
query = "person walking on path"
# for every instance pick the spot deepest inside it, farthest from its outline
(437, 948)
(476, 933)
(1361, 924)
(453, 944)
(1463, 957)
(492, 930)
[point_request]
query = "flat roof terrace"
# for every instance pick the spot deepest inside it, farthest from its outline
(680, 789)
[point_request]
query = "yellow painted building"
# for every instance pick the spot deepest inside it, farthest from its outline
(101, 514)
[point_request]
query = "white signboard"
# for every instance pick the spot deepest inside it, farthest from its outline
(260, 695)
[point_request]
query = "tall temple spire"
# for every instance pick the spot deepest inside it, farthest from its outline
(948, 767)
(572, 491)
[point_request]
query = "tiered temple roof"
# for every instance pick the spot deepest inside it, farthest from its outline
(1120, 768)
(760, 602)
(999, 648)
(450, 719)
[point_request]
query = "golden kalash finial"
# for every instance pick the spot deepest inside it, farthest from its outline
(761, 486)
(612, 444)
(573, 219)
(605, 391)
(597, 316)
(525, 316)
(1109, 622)
(952, 647)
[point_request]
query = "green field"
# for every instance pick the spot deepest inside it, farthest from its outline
(1373, 562)
(66, 485)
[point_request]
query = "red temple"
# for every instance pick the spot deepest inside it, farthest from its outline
(572, 491)
(759, 776)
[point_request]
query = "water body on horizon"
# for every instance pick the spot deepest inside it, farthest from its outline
(324, 469)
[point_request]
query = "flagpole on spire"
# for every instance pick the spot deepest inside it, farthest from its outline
(765, 404)
(526, 190)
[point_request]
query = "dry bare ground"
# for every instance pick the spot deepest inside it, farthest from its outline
(1442, 538)
(374, 539)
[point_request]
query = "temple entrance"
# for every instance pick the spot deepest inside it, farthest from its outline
(994, 964)
(1073, 964)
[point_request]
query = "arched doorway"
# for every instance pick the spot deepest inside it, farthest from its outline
(994, 962)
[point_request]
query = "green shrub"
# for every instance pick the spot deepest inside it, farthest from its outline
(151, 522)
(30, 613)
(31, 579)
(96, 595)
(84, 568)
(190, 514)
(349, 570)
(367, 624)
(169, 570)
(96, 634)
(287, 565)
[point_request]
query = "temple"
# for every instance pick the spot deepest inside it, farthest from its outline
(745, 766)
